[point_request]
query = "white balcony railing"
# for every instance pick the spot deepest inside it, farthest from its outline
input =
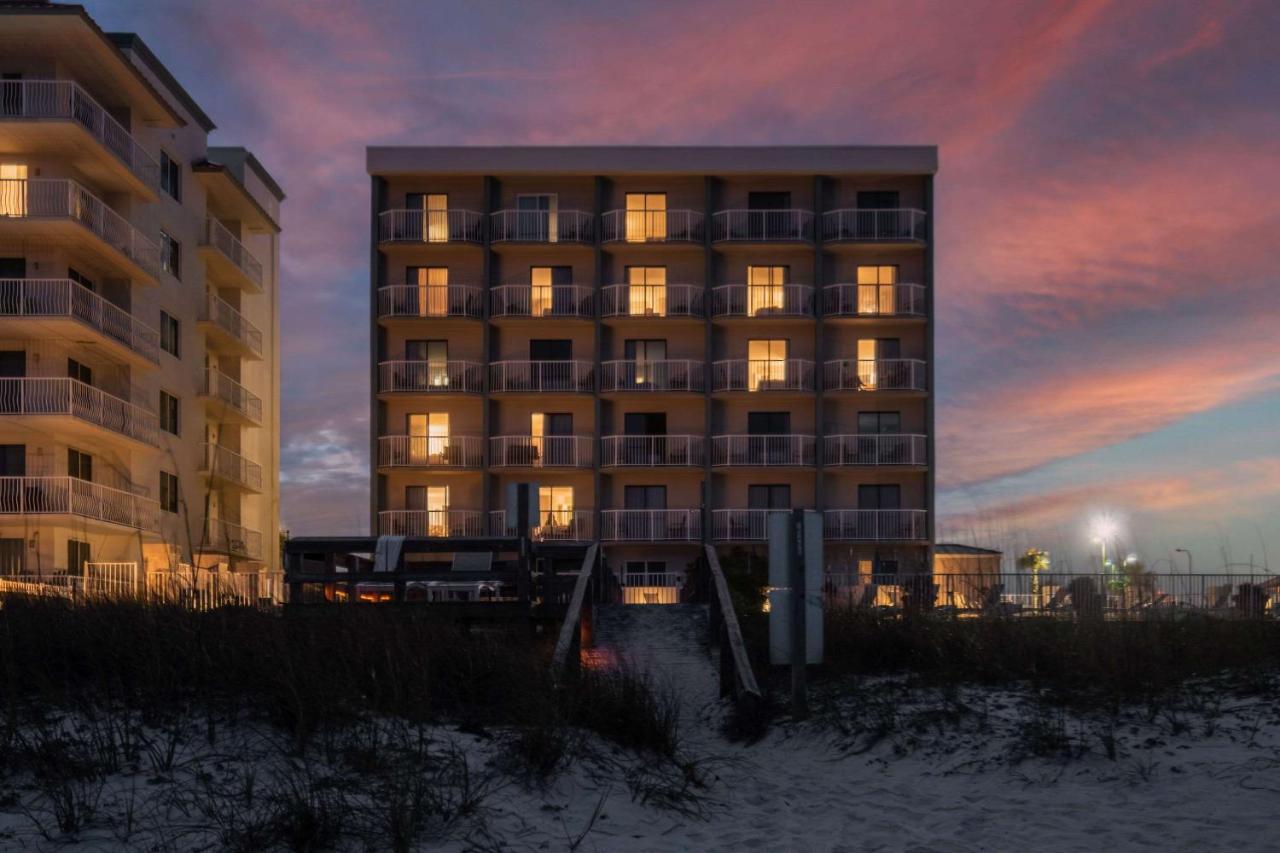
(653, 300)
(663, 375)
(72, 496)
(742, 524)
(430, 451)
(430, 301)
(541, 451)
(540, 226)
(875, 524)
(62, 297)
(224, 315)
(430, 226)
(552, 300)
(431, 377)
(878, 449)
(58, 198)
(552, 525)
(226, 537)
(431, 522)
(763, 450)
(762, 300)
(649, 451)
(651, 525)
(894, 225)
(878, 374)
(65, 396)
(229, 246)
(781, 374)
(873, 300)
(762, 225)
(652, 226)
(64, 99)
(226, 464)
(221, 387)
(543, 376)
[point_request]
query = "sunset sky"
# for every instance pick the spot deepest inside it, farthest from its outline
(1108, 213)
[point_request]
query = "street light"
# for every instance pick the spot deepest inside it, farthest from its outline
(1188, 553)
(1104, 527)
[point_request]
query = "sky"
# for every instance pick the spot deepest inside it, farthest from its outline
(1107, 227)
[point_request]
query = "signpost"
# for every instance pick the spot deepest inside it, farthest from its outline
(795, 595)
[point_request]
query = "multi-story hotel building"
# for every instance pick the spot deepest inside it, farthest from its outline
(138, 313)
(670, 342)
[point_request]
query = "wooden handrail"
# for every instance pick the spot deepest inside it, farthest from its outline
(573, 616)
(744, 680)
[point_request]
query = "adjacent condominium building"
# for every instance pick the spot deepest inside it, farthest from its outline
(138, 313)
(670, 342)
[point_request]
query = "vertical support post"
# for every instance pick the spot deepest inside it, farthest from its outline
(523, 575)
(795, 571)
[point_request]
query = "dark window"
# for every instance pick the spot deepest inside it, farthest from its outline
(878, 200)
(170, 255)
(11, 94)
(879, 423)
(168, 491)
(13, 267)
(78, 371)
(435, 351)
(13, 553)
(13, 460)
(79, 465)
(645, 567)
(769, 201)
(880, 496)
(80, 279)
(645, 497)
(644, 350)
(550, 350)
(769, 423)
(77, 556)
(170, 176)
(169, 413)
(644, 423)
(170, 334)
(769, 497)
(557, 423)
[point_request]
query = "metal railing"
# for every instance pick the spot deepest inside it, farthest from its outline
(762, 225)
(551, 300)
(874, 374)
(763, 450)
(542, 376)
(73, 496)
(874, 226)
(742, 525)
(185, 586)
(65, 396)
(540, 226)
(426, 300)
(219, 386)
(430, 377)
(661, 375)
(541, 451)
(762, 300)
(430, 451)
(226, 537)
(552, 525)
(652, 300)
(217, 236)
(62, 297)
(651, 226)
(875, 524)
(645, 451)
(226, 464)
(875, 449)
(431, 522)
(430, 226)
(65, 99)
(873, 300)
(780, 374)
(651, 525)
(59, 198)
(224, 315)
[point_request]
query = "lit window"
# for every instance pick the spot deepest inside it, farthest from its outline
(540, 291)
(646, 217)
(555, 506)
(875, 289)
(647, 291)
(868, 375)
(766, 364)
(428, 437)
(433, 503)
(437, 213)
(432, 290)
(13, 189)
(765, 290)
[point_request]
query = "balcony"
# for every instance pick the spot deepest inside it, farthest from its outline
(873, 300)
(651, 451)
(855, 225)
(433, 451)
(557, 301)
(422, 301)
(226, 537)
(43, 210)
(553, 525)
(229, 329)
(880, 374)
(228, 400)
(430, 377)
(229, 467)
(52, 117)
(778, 451)
(431, 522)
(768, 301)
(858, 451)
(875, 525)
(64, 397)
(652, 226)
(61, 308)
(667, 375)
(72, 496)
(742, 525)
(430, 226)
(541, 451)
(540, 226)
(762, 226)
(653, 301)
(228, 259)
(762, 375)
(538, 377)
(651, 525)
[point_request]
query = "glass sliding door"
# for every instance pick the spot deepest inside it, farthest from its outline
(431, 294)
(646, 217)
(876, 292)
(13, 189)
(647, 291)
(536, 218)
(433, 503)
(428, 438)
(766, 364)
(765, 291)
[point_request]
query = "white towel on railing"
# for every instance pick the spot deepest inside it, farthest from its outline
(387, 555)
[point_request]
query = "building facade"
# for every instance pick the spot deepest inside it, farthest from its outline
(138, 314)
(671, 342)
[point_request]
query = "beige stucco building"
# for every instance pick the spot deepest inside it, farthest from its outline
(139, 331)
(671, 342)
